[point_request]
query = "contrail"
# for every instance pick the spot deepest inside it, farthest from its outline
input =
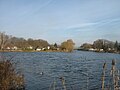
(42, 6)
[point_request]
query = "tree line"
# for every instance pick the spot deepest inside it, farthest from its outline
(102, 45)
(10, 41)
(33, 44)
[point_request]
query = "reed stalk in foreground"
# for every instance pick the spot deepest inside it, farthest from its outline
(103, 76)
(63, 82)
(114, 78)
(53, 86)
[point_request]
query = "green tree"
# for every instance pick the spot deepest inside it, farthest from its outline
(55, 45)
(119, 48)
(116, 46)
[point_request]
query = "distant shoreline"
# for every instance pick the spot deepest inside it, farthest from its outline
(32, 51)
(97, 51)
(55, 51)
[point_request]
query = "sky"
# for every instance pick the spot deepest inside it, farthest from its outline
(59, 20)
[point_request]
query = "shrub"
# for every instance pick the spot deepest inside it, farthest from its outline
(9, 78)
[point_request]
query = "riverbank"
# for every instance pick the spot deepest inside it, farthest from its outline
(56, 51)
(98, 51)
(33, 51)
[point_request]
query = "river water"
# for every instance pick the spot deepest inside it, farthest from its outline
(81, 70)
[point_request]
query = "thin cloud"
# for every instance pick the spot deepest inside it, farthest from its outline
(92, 25)
(81, 25)
(43, 6)
(108, 21)
(37, 8)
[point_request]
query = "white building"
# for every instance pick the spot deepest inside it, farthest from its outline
(14, 48)
(48, 47)
(8, 48)
(30, 47)
(38, 49)
(91, 49)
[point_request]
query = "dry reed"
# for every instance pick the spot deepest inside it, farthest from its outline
(9, 78)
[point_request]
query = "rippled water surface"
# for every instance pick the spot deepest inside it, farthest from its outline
(81, 70)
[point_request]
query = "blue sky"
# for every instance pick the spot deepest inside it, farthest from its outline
(59, 20)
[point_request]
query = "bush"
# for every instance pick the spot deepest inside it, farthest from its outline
(9, 78)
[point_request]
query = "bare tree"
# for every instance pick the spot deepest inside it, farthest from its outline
(4, 39)
(68, 45)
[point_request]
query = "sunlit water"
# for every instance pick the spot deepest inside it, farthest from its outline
(81, 70)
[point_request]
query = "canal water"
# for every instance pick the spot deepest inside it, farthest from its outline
(79, 70)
